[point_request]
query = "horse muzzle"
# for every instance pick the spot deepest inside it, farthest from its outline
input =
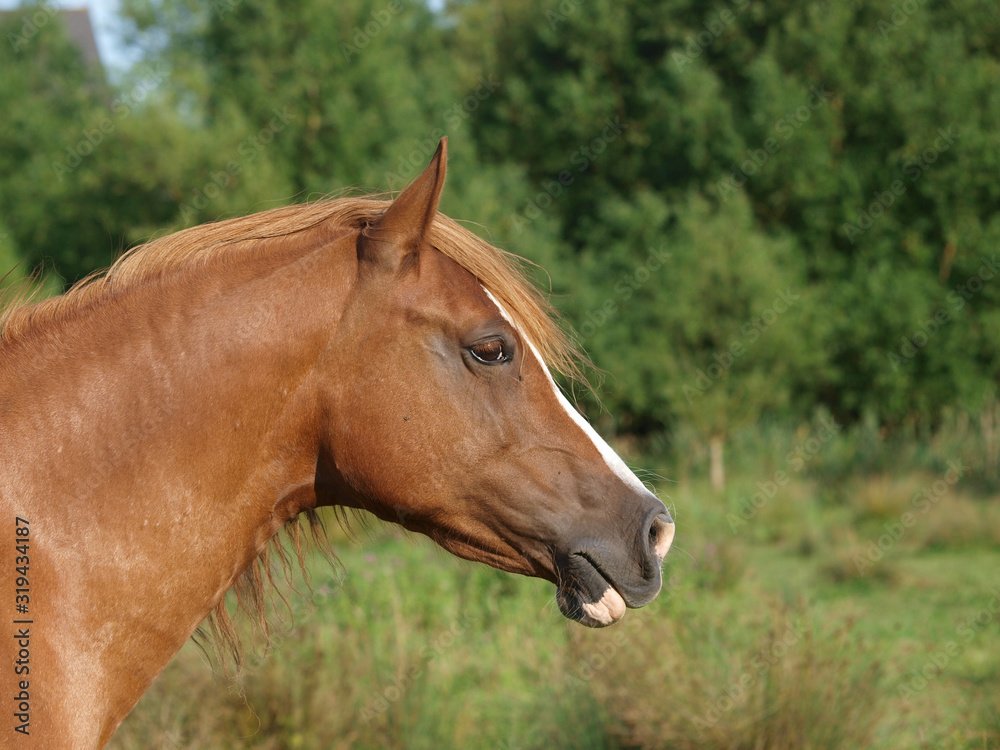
(600, 578)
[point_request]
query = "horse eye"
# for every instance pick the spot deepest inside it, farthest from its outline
(489, 352)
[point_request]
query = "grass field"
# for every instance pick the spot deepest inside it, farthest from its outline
(800, 610)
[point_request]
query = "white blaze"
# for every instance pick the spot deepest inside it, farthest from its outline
(612, 459)
(611, 606)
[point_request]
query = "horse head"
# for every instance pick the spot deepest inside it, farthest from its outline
(443, 417)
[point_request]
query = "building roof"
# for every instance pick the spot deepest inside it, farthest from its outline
(78, 28)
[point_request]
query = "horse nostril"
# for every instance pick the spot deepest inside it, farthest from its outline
(661, 535)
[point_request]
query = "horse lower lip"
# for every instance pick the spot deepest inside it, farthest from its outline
(592, 600)
(594, 612)
(609, 609)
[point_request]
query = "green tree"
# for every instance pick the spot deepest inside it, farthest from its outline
(49, 98)
(866, 136)
(298, 101)
(88, 168)
(704, 309)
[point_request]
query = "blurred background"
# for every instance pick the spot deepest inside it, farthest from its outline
(773, 226)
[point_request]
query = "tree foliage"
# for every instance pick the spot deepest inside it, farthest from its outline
(745, 207)
(862, 137)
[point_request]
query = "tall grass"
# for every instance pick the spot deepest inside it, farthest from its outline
(415, 651)
(725, 676)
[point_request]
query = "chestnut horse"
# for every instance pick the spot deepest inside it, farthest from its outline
(161, 422)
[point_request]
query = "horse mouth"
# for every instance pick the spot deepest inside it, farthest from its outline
(586, 595)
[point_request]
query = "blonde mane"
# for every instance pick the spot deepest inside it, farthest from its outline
(237, 240)
(502, 273)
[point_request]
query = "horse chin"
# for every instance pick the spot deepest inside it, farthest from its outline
(607, 610)
(590, 600)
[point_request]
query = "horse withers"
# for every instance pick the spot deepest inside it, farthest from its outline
(161, 422)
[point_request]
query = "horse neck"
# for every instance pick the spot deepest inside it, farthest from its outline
(162, 440)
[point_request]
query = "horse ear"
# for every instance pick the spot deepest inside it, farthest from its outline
(400, 231)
